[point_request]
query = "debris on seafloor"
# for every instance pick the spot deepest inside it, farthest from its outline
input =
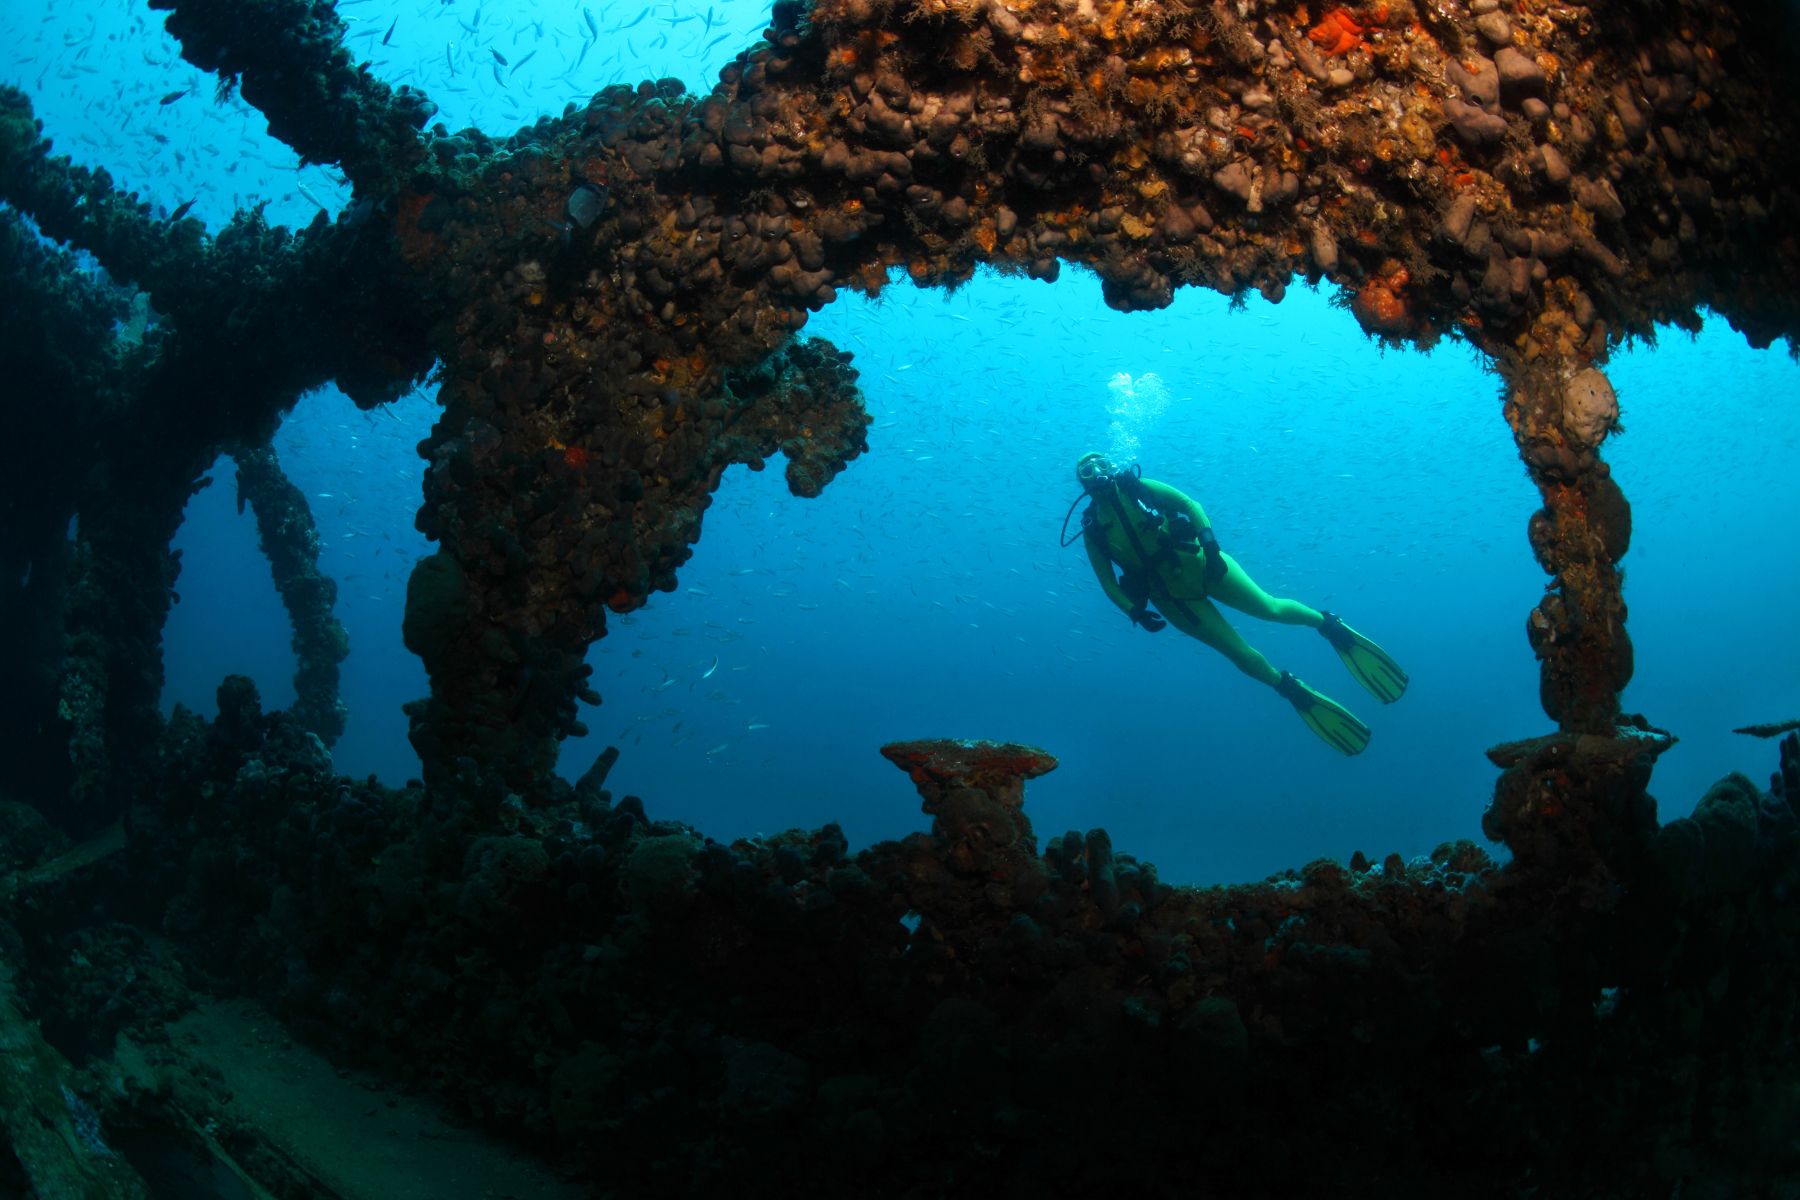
(47, 1126)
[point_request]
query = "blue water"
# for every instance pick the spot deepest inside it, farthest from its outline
(924, 594)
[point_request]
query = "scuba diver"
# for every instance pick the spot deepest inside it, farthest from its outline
(1167, 555)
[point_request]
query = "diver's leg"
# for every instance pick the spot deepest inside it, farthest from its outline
(1199, 619)
(1237, 589)
(1334, 723)
(1368, 663)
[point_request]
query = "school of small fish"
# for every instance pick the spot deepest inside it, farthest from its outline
(113, 89)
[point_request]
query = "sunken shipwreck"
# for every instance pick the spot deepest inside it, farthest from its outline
(229, 970)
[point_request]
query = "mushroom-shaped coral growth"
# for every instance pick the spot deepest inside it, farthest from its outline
(998, 768)
(975, 793)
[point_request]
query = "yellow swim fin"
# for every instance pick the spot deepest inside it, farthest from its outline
(1369, 664)
(1336, 726)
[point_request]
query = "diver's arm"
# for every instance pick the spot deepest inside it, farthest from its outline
(1168, 499)
(1102, 563)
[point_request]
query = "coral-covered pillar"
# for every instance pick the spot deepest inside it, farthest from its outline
(290, 541)
(548, 518)
(1559, 416)
(1575, 801)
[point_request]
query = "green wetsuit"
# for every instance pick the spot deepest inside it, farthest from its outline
(1121, 531)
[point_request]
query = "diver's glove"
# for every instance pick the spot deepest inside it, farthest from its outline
(1141, 615)
(1215, 558)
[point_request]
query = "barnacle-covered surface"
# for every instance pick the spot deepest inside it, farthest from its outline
(1542, 180)
(612, 298)
(1519, 178)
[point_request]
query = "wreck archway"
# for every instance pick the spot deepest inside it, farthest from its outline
(1505, 194)
(1430, 557)
(938, 599)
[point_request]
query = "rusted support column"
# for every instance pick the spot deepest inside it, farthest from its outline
(120, 586)
(1577, 800)
(290, 541)
(548, 518)
(1560, 414)
(60, 362)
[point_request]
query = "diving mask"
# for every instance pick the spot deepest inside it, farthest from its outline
(1097, 471)
(1093, 469)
